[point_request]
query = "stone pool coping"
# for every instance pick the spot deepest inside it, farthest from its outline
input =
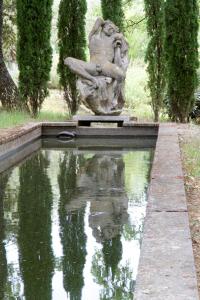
(166, 268)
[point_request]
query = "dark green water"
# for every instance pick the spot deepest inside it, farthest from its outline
(71, 224)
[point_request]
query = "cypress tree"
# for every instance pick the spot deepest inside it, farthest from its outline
(155, 56)
(72, 43)
(34, 53)
(113, 10)
(9, 96)
(181, 19)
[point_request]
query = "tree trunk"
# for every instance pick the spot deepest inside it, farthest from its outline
(156, 115)
(9, 96)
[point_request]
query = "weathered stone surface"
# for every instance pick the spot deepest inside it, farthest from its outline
(87, 120)
(10, 134)
(166, 269)
(101, 81)
(166, 265)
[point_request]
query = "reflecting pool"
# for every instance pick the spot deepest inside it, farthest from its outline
(71, 224)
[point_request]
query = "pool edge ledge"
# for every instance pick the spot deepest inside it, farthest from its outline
(167, 268)
(13, 138)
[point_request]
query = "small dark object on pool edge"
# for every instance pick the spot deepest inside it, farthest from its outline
(66, 135)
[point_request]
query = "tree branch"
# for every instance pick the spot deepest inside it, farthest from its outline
(131, 23)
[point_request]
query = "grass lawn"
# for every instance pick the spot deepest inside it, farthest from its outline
(190, 146)
(12, 119)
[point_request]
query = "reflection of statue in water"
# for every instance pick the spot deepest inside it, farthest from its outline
(108, 210)
(99, 180)
(101, 81)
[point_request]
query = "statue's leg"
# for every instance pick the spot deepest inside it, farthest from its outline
(113, 71)
(83, 69)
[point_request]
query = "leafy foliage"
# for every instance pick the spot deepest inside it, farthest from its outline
(34, 51)
(113, 10)
(9, 30)
(72, 43)
(181, 19)
(155, 56)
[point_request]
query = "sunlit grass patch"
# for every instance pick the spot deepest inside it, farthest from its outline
(191, 153)
(12, 119)
(51, 116)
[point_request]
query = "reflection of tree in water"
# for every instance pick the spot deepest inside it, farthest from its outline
(116, 280)
(132, 232)
(3, 261)
(72, 233)
(35, 200)
(112, 253)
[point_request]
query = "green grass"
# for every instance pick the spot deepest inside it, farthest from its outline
(52, 116)
(191, 153)
(12, 119)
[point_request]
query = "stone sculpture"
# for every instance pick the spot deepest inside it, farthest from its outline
(101, 81)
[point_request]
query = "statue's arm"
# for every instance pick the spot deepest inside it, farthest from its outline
(118, 36)
(121, 51)
(98, 24)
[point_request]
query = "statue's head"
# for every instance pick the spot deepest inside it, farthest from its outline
(109, 28)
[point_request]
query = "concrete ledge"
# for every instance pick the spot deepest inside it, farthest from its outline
(10, 134)
(14, 139)
(166, 268)
(87, 120)
(19, 155)
(139, 130)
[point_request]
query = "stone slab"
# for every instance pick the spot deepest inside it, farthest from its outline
(167, 194)
(10, 134)
(166, 268)
(140, 124)
(61, 124)
(86, 132)
(87, 120)
(18, 156)
(13, 142)
(117, 132)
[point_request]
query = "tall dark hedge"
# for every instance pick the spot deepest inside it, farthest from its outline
(113, 10)
(181, 18)
(34, 53)
(72, 43)
(155, 56)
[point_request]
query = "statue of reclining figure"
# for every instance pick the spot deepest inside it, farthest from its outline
(101, 81)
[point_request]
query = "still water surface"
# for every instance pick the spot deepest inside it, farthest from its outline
(71, 224)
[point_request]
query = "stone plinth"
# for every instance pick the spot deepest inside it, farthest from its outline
(87, 120)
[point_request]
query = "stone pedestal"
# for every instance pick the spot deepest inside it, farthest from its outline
(87, 120)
